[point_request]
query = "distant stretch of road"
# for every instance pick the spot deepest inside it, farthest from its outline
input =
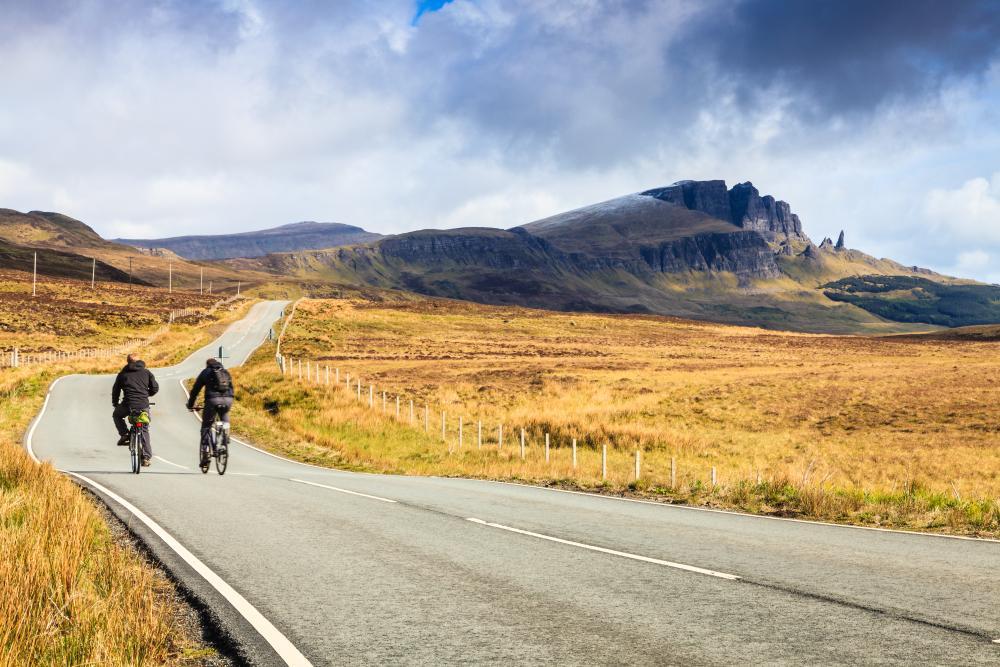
(307, 565)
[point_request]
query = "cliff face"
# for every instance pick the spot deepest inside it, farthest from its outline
(743, 253)
(742, 205)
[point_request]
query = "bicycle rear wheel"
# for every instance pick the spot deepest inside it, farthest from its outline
(222, 455)
(135, 449)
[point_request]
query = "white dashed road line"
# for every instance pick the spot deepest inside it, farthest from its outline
(171, 463)
(339, 490)
(623, 554)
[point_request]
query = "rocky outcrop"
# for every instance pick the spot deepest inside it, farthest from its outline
(827, 244)
(840, 241)
(709, 197)
(763, 214)
(742, 205)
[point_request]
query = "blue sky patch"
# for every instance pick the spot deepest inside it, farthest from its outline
(425, 6)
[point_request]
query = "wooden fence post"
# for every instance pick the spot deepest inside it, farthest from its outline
(500, 436)
(713, 476)
(574, 453)
(443, 427)
(427, 422)
(546, 447)
(522, 444)
(479, 435)
(397, 406)
(371, 396)
(604, 462)
(638, 464)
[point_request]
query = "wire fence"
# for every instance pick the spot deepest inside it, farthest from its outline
(18, 357)
(456, 432)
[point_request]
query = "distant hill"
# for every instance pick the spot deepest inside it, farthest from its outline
(68, 248)
(287, 238)
(693, 249)
(42, 229)
(60, 263)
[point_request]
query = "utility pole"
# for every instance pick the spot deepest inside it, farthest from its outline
(93, 271)
(209, 286)
(237, 288)
(34, 277)
(170, 279)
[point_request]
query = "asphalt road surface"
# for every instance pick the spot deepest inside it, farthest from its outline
(301, 564)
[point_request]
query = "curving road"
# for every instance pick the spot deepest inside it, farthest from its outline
(302, 564)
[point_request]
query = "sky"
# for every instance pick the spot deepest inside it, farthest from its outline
(179, 117)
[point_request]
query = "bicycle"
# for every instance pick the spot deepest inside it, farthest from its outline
(217, 446)
(135, 437)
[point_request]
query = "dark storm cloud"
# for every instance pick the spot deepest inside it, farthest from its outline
(595, 84)
(845, 56)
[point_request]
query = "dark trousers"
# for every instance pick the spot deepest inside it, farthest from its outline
(213, 406)
(120, 414)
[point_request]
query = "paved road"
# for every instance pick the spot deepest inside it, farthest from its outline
(539, 576)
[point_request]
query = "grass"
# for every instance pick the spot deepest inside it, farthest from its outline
(882, 432)
(71, 594)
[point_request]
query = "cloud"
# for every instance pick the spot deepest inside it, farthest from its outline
(844, 56)
(970, 212)
(180, 117)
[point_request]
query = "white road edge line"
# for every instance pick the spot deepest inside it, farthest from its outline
(176, 465)
(334, 488)
(278, 641)
(623, 554)
(281, 645)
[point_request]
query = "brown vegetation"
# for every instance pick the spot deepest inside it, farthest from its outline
(71, 594)
(869, 430)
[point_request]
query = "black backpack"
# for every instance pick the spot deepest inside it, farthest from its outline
(220, 380)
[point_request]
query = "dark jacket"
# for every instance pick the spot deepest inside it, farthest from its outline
(137, 383)
(206, 380)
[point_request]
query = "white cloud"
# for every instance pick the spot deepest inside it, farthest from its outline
(249, 114)
(969, 212)
(973, 260)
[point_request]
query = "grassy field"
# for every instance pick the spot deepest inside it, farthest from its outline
(69, 593)
(875, 431)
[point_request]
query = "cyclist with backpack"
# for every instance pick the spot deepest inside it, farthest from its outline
(130, 394)
(218, 385)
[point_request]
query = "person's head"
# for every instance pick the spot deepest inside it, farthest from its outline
(211, 361)
(131, 358)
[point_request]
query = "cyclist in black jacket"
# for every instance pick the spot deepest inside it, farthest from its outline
(218, 385)
(137, 384)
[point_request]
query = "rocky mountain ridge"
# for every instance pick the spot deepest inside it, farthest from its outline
(286, 238)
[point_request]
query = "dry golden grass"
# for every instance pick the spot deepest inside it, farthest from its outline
(69, 594)
(876, 431)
